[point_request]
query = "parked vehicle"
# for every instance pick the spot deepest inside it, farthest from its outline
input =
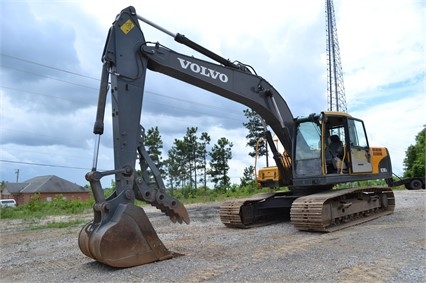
(7, 202)
(414, 183)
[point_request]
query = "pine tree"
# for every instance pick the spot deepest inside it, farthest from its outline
(173, 172)
(220, 155)
(153, 145)
(181, 157)
(256, 132)
(248, 176)
(190, 140)
(202, 156)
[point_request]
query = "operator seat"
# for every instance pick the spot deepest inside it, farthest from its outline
(333, 150)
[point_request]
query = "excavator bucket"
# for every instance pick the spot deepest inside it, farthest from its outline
(123, 239)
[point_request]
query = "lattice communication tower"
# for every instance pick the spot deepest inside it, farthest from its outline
(335, 88)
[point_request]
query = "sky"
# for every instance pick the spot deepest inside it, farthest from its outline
(50, 65)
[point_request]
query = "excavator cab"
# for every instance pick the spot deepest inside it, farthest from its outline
(329, 148)
(331, 143)
(321, 145)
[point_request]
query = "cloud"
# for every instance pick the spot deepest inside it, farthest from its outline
(395, 125)
(378, 51)
(32, 127)
(28, 35)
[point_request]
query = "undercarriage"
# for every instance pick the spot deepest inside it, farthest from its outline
(322, 212)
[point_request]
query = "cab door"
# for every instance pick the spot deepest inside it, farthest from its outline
(359, 150)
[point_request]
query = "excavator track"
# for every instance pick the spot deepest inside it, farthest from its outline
(334, 210)
(322, 212)
(230, 214)
(257, 210)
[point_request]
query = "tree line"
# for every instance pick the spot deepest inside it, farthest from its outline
(190, 162)
(193, 161)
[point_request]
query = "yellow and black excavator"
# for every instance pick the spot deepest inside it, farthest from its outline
(320, 151)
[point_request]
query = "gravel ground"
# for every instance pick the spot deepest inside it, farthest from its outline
(389, 249)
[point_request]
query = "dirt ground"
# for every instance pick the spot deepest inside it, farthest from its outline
(389, 249)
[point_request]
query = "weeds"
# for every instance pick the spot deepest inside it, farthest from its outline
(62, 224)
(37, 208)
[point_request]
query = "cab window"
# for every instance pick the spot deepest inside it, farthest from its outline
(308, 149)
(356, 133)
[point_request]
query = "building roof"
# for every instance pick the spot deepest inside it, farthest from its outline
(44, 184)
(13, 188)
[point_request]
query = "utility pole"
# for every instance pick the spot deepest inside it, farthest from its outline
(335, 88)
(17, 175)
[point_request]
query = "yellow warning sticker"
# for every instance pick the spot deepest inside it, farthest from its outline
(127, 26)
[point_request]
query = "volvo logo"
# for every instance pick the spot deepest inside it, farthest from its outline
(199, 69)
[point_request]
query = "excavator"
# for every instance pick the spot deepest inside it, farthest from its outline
(321, 151)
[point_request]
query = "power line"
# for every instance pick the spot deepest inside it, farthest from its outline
(45, 76)
(49, 67)
(84, 76)
(97, 79)
(188, 101)
(35, 93)
(151, 101)
(43, 164)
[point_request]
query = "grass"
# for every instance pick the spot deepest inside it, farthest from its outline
(38, 208)
(61, 224)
